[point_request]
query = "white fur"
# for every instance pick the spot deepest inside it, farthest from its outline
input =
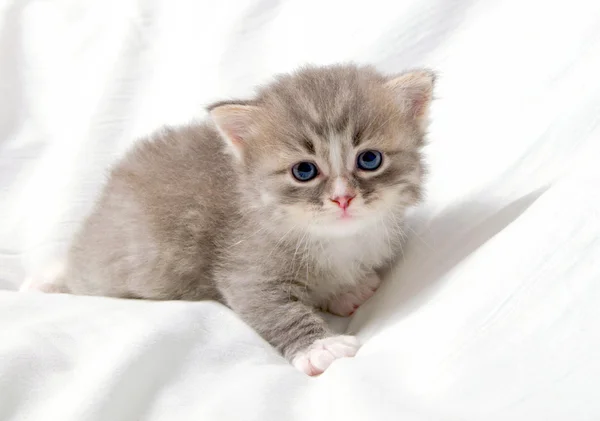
(44, 281)
(266, 197)
(336, 157)
(319, 356)
(340, 188)
(353, 247)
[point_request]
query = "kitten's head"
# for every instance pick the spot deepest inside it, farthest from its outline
(331, 149)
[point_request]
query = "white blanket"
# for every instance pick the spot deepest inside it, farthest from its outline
(493, 312)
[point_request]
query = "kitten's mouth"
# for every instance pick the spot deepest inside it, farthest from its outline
(345, 215)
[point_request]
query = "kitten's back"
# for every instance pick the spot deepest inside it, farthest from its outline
(170, 194)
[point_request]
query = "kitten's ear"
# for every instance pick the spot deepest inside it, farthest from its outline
(235, 124)
(413, 91)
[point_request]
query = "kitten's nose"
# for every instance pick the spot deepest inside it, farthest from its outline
(343, 201)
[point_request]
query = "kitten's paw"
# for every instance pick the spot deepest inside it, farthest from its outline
(48, 288)
(46, 281)
(346, 304)
(319, 356)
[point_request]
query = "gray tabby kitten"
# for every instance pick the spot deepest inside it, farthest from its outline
(279, 206)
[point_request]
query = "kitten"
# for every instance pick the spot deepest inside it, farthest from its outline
(279, 206)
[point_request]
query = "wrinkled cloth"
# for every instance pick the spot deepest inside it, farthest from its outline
(492, 312)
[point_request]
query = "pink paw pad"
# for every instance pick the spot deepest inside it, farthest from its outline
(347, 303)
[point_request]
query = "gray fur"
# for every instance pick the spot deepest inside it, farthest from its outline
(181, 218)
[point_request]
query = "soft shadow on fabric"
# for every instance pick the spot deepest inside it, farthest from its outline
(419, 272)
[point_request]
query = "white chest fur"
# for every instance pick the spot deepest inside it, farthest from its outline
(347, 260)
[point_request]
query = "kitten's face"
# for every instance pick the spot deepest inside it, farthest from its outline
(332, 151)
(339, 183)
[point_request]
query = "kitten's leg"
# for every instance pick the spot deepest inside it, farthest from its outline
(46, 288)
(345, 304)
(277, 312)
(51, 280)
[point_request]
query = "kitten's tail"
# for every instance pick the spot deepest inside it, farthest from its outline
(51, 280)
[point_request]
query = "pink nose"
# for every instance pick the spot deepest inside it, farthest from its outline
(343, 201)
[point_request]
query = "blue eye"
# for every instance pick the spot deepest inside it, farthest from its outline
(304, 171)
(369, 160)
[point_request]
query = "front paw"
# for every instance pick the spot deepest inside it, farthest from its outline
(345, 304)
(318, 357)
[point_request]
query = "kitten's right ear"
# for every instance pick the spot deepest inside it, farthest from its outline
(235, 124)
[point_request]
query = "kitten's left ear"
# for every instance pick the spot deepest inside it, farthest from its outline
(413, 91)
(235, 124)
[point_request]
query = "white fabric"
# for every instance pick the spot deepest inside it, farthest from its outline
(493, 312)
